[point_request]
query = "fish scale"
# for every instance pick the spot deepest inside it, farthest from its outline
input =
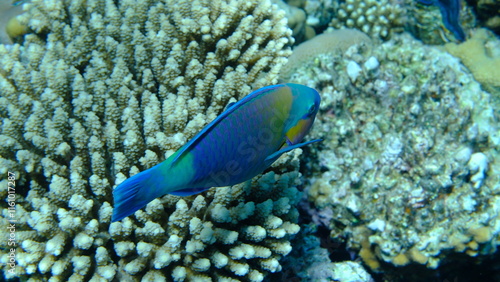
(248, 124)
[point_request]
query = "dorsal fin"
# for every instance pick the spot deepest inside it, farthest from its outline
(229, 105)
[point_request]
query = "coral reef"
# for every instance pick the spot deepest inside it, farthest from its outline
(481, 55)
(328, 42)
(488, 12)
(308, 261)
(296, 21)
(101, 90)
(450, 14)
(350, 271)
(379, 19)
(320, 12)
(410, 166)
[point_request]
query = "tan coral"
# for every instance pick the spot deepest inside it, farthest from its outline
(328, 42)
(480, 54)
(9, 25)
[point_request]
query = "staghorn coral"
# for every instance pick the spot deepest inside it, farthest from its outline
(99, 91)
(311, 262)
(379, 19)
(232, 232)
(410, 167)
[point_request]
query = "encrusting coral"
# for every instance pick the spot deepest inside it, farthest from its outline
(101, 90)
(411, 160)
(9, 26)
(481, 55)
(329, 42)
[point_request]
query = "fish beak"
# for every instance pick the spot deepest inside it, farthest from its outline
(297, 132)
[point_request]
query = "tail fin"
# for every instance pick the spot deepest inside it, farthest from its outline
(136, 192)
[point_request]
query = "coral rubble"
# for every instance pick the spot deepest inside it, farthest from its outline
(410, 167)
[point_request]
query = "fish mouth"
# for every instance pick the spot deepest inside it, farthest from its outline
(297, 132)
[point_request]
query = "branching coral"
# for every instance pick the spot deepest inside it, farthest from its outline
(227, 232)
(101, 90)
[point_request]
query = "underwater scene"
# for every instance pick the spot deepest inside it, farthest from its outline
(256, 140)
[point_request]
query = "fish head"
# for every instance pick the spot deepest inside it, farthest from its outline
(304, 108)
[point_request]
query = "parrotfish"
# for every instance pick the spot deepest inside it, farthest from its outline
(450, 12)
(236, 146)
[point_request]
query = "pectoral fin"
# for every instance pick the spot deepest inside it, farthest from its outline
(286, 143)
(273, 157)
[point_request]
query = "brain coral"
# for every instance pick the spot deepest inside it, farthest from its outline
(411, 164)
(100, 90)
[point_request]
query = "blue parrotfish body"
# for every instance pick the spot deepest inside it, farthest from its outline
(239, 144)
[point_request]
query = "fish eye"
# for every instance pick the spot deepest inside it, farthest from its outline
(312, 109)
